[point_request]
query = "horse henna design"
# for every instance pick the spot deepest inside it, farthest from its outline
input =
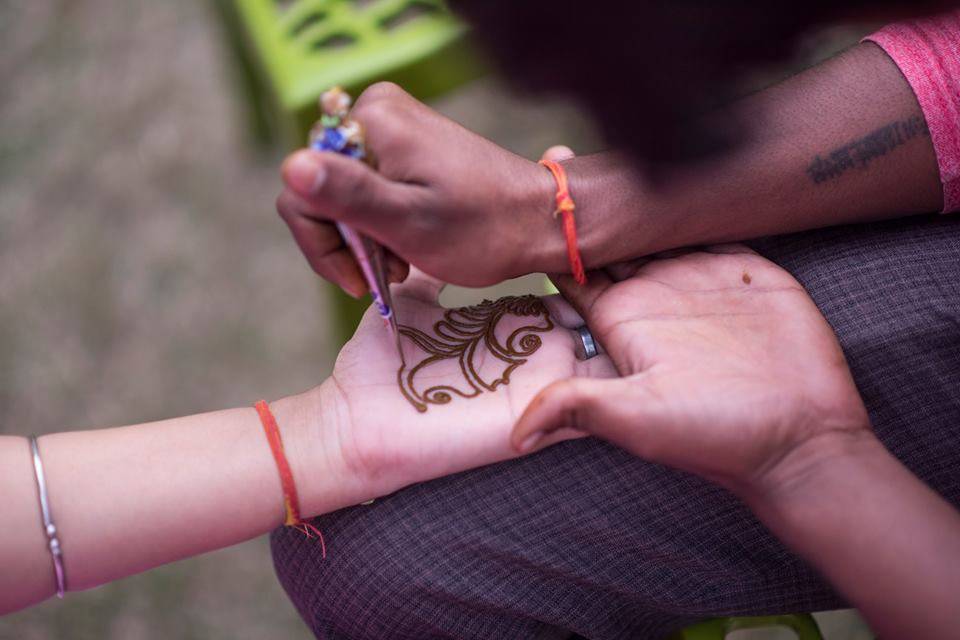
(460, 334)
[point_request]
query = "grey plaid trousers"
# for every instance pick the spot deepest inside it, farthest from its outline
(584, 538)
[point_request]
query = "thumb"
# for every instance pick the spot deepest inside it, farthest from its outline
(344, 189)
(614, 409)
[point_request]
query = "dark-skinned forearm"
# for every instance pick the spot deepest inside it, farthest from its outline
(873, 529)
(842, 142)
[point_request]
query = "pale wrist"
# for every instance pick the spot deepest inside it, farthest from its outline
(310, 424)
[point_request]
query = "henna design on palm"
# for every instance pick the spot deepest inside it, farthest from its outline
(460, 334)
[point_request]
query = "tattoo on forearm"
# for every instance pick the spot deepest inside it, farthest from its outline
(862, 151)
(468, 334)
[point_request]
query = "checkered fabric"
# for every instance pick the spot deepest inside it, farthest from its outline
(584, 538)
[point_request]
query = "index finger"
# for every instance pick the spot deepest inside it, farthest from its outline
(322, 246)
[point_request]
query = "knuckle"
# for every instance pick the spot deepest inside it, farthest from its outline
(385, 136)
(383, 90)
(378, 118)
(391, 128)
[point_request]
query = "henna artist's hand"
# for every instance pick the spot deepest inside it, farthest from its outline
(445, 199)
(390, 437)
(728, 368)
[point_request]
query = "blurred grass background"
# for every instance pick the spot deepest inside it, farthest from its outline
(144, 273)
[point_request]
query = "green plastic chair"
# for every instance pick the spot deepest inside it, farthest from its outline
(803, 625)
(292, 50)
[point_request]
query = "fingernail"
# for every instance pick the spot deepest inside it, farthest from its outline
(304, 173)
(354, 291)
(354, 286)
(530, 442)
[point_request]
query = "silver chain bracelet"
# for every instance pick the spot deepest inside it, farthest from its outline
(49, 528)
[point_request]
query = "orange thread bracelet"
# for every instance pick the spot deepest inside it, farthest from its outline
(565, 206)
(291, 501)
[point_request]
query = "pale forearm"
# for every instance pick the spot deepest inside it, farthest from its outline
(773, 183)
(131, 498)
(876, 532)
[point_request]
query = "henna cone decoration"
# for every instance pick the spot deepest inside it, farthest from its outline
(459, 334)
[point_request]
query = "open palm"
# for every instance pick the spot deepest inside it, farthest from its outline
(388, 440)
(726, 365)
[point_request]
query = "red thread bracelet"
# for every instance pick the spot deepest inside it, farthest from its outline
(291, 501)
(566, 206)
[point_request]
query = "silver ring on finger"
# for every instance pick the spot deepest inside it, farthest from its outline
(586, 346)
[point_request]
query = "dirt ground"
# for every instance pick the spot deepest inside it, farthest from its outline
(144, 273)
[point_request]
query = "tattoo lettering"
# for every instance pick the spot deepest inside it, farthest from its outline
(467, 335)
(863, 151)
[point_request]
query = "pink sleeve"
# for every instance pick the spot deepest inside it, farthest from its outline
(928, 54)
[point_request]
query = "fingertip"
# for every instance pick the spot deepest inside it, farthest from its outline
(347, 275)
(340, 268)
(562, 312)
(353, 288)
(541, 416)
(529, 443)
(558, 153)
(304, 172)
